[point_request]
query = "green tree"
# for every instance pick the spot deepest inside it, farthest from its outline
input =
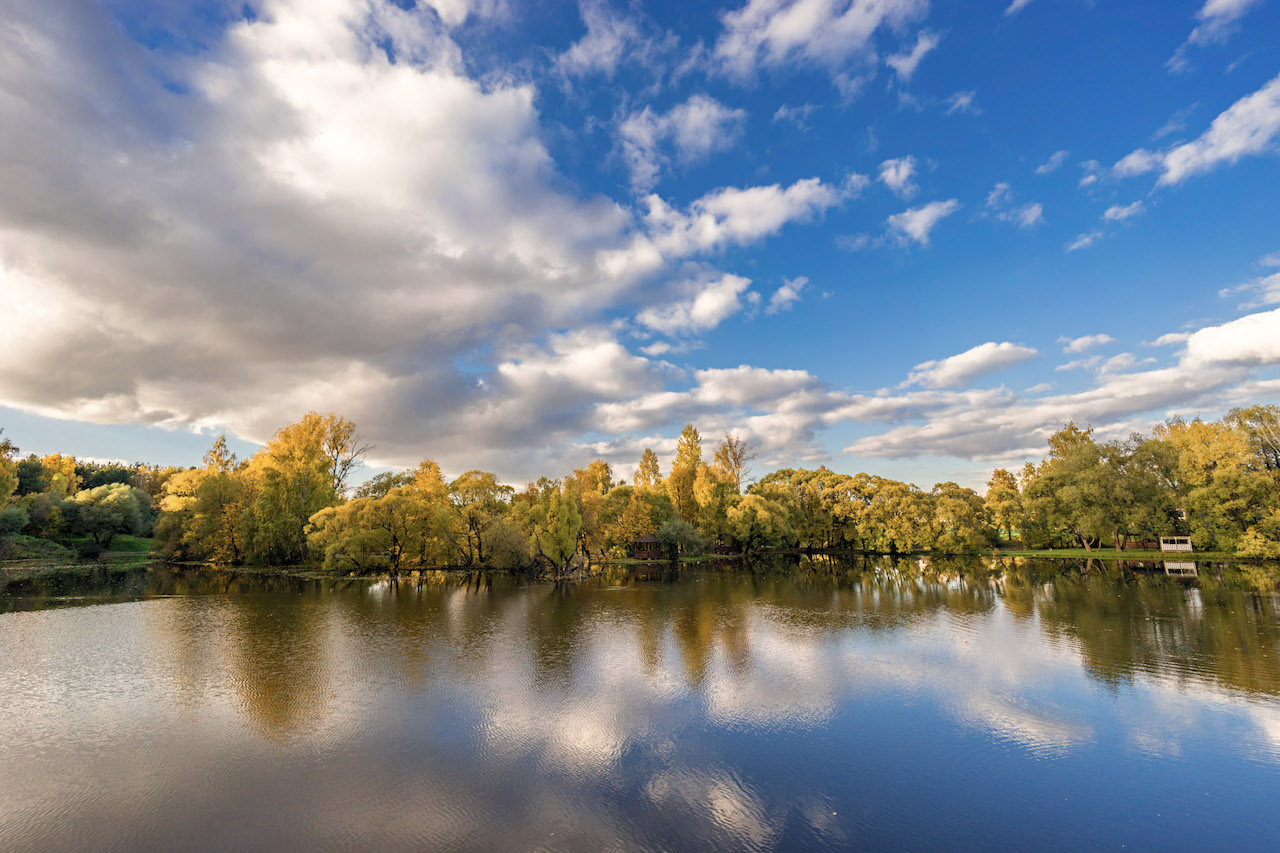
(557, 523)
(757, 522)
(106, 511)
(1004, 502)
(959, 520)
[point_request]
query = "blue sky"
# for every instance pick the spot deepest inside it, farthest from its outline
(904, 237)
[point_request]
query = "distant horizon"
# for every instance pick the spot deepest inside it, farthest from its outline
(903, 238)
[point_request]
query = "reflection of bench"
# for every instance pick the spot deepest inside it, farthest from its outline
(1175, 543)
(1180, 569)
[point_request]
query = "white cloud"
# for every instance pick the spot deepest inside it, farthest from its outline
(713, 303)
(962, 102)
(1092, 173)
(962, 368)
(798, 115)
(1084, 241)
(696, 128)
(1000, 195)
(1055, 161)
(608, 40)
(1119, 213)
(1137, 162)
(1016, 6)
(1029, 215)
(916, 223)
(1084, 342)
(1216, 362)
(1251, 340)
(1248, 127)
(855, 242)
(1000, 205)
(1080, 363)
(904, 64)
(827, 33)
(897, 175)
(1270, 260)
(740, 216)
(786, 295)
(1217, 21)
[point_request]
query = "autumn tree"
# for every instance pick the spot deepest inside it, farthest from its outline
(8, 469)
(648, 475)
(302, 470)
(684, 472)
(732, 457)
(477, 499)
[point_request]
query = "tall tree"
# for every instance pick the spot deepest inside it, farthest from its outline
(732, 457)
(684, 473)
(648, 475)
(1004, 501)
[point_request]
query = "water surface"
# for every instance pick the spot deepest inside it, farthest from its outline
(966, 704)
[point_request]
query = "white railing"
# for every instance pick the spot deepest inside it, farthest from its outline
(1175, 543)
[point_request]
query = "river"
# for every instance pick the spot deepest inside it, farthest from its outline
(820, 704)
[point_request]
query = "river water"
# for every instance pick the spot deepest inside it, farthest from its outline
(809, 705)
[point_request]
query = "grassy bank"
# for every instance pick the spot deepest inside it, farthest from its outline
(27, 557)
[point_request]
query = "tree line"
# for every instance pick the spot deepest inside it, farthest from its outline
(291, 503)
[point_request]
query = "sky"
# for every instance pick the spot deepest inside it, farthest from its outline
(898, 236)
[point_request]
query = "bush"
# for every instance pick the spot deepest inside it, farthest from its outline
(12, 520)
(505, 546)
(680, 536)
(1255, 546)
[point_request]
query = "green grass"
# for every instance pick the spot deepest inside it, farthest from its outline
(27, 556)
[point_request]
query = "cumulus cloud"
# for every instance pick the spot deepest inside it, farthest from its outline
(1216, 361)
(1251, 340)
(603, 47)
(1055, 161)
(695, 129)
(830, 34)
(741, 216)
(786, 295)
(711, 304)
(904, 64)
(1248, 127)
(1084, 342)
(897, 174)
(968, 365)
(918, 222)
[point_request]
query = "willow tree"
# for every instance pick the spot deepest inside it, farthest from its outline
(302, 470)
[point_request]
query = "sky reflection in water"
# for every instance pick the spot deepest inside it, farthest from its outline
(967, 705)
